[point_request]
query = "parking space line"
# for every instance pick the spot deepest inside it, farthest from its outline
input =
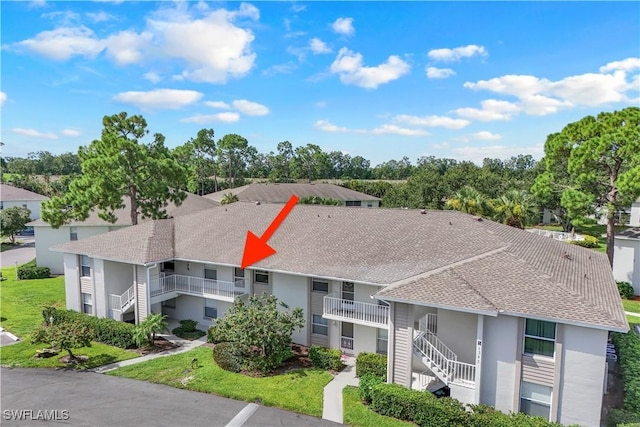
(243, 415)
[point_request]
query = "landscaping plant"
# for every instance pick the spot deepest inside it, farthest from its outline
(625, 289)
(145, 332)
(64, 336)
(371, 363)
(187, 330)
(326, 358)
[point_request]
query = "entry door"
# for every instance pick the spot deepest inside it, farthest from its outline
(348, 295)
(346, 339)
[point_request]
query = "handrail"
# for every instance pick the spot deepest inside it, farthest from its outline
(195, 286)
(356, 310)
(442, 347)
(449, 370)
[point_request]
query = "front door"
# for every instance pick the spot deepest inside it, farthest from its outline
(346, 338)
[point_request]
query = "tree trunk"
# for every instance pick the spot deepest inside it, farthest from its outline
(134, 205)
(610, 232)
(71, 356)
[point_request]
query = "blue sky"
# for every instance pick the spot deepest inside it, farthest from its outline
(465, 80)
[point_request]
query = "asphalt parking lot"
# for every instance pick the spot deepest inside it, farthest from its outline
(91, 399)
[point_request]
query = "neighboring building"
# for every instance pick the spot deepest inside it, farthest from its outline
(635, 214)
(281, 193)
(47, 236)
(626, 258)
(500, 315)
(11, 196)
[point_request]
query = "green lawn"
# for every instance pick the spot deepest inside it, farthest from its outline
(631, 305)
(357, 414)
(299, 391)
(21, 304)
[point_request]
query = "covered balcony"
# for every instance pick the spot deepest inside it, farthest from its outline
(361, 313)
(167, 287)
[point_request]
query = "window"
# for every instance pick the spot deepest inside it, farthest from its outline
(168, 266)
(238, 274)
(24, 205)
(539, 337)
(87, 305)
(353, 203)
(261, 277)
(347, 291)
(211, 273)
(320, 325)
(369, 204)
(210, 309)
(382, 341)
(1, 205)
(535, 399)
(73, 233)
(319, 286)
(85, 266)
(170, 303)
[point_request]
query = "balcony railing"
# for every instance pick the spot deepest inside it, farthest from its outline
(215, 289)
(356, 312)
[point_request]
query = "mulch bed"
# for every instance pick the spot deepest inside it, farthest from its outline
(159, 345)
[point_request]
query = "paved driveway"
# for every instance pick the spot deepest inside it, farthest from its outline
(92, 399)
(22, 254)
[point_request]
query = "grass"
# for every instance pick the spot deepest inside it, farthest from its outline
(595, 230)
(21, 304)
(357, 414)
(299, 391)
(631, 305)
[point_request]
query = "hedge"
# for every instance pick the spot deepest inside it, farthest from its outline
(28, 272)
(620, 418)
(187, 330)
(215, 335)
(326, 358)
(107, 331)
(588, 242)
(367, 381)
(227, 356)
(628, 346)
(371, 363)
(625, 289)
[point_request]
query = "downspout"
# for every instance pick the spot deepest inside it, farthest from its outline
(135, 295)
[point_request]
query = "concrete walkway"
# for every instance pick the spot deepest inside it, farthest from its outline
(332, 398)
(183, 346)
(629, 313)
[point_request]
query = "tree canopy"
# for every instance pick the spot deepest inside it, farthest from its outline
(119, 166)
(12, 221)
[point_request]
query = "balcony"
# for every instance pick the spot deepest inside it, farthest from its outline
(166, 287)
(361, 313)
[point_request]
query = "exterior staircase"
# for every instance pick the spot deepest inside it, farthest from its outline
(119, 304)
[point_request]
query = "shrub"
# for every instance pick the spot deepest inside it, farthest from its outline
(367, 381)
(227, 356)
(27, 272)
(371, 363)
(326, 358)
(107, 331)
(628, 346)
(188, 335)
(625, 289)
(588, 242)
(215, 334)
(188, 325)
(145, 332)
(620, 417)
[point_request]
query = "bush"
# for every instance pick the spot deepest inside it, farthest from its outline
(588, 242)
(188, 325)
(326, 358)
(628, 346)
(371, 363)
(188, 335)
(620, 417)
(227, 356)
(625, 289)
(107, 331)
(215, 334)
(367, 381)
(26, 272)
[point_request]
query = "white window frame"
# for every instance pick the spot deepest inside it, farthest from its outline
(84, 266)
(84, 297)
(215, 307)
(73, 233)
(210, 268)
(320, 322)
(261, 273)
(322, 282)
(536, 401)
(239, 276)
(380, 340)
(540, 338)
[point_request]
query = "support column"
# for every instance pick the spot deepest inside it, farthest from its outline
(135, 294)
(479, 334)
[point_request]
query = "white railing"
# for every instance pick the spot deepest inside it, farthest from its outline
(429, 323)
(356, 311)
(557, 235)
(196, 286)
(122, 302)
(421, 380)
(440, 346)
(446, 369)
(346, 342)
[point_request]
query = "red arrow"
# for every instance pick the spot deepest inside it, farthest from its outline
(256, 248)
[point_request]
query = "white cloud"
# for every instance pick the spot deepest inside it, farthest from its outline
(250, 108)
(440, 146)
(397, 130)
(321, 104)
(217, 104)
(287, 68)
(3, 97)
(432, 121)
(343, 26)
(228, 117)
(126, 47)
(152, 77)
(159, 99)
(35, 4)
(63, 43)
(100, 16)
(484, 135)
(439, 73)
(34, 133)
(70, 132)
(628, 64)
(348, 65)
(456, 54)
(297, 8)
(326, 126)
(492, 109)
(317, 46)
(476, 153)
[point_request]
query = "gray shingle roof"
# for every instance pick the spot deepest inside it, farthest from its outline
(437, 257)
(9, 193)
(630, 233)
(193, 203)
(280, 193)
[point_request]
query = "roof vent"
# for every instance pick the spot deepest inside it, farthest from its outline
(477, 218)
(566, 255)
(450, 223)
(257, 203)
(423, 212)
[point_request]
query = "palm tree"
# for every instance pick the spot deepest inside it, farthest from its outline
(145, 332)
(515, 208)
(469, 200)
(229, 198)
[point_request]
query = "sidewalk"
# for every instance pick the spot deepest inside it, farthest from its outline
(629, 313)
(332, 398)
(183, 346)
